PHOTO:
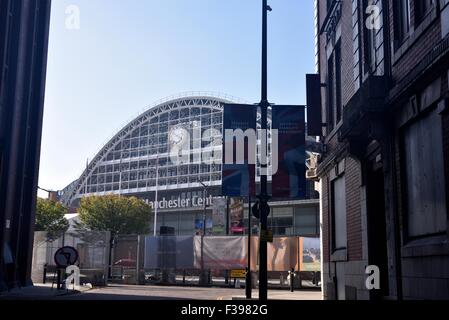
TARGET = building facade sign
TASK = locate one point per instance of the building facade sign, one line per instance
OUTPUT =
(179, 203)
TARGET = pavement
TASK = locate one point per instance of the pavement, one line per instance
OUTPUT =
(39, 292)
(133, 292)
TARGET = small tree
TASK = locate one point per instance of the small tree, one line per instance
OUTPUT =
(50, 218)
(119, 215)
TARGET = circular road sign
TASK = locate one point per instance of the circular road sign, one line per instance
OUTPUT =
(66, 256)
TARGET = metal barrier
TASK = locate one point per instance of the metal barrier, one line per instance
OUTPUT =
(184, 260)
(93, 248)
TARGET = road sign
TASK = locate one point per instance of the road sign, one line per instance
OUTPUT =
(238, 274)
(259, 207)
(66, 256)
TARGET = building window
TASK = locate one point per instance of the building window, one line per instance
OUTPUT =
(338, 81)
(330, 94)
(370, 46)
(317, 36)
(306, 221)
(282, 221)
(402, 19)
(334, 88)
(424, 181)
(338, 192)
(422, 8)
(356, 29)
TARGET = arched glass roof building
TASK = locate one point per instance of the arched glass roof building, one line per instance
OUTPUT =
(136, 162)
(127, 164)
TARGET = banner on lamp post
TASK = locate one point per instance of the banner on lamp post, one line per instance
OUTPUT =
(289, 182)
(239, 150)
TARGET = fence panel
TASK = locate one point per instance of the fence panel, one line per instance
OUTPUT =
(93, 252)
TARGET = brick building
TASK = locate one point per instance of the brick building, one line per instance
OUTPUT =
(383, 67)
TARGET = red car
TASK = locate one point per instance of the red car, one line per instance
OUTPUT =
(126, 263)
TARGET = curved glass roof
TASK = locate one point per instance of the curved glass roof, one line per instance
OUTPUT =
(129, 162)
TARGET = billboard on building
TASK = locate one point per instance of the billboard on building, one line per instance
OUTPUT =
(219, 216)
(289, 182)
(239, 150)
(236, 210)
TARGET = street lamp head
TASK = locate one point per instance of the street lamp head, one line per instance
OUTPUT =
(269, 8)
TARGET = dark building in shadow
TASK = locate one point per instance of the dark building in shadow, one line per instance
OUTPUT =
(24, 29)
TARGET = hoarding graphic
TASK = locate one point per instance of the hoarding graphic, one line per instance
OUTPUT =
(221, 253)
(310, 254)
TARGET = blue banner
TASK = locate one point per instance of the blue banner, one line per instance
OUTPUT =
(239, 150)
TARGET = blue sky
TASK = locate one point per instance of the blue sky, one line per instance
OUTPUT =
(128, 54)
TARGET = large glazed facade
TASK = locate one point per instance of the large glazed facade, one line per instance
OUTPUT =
(136, 162)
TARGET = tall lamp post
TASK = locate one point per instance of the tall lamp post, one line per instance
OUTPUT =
(263, 196)
(156, 200)
(203, 277)
(249, 285)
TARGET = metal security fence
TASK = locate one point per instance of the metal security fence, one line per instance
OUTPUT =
(93, 249)
(179, 260)
(223, 260)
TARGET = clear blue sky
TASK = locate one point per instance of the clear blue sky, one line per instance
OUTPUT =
(129, 53)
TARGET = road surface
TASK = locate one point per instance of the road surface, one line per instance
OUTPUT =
(131, 292)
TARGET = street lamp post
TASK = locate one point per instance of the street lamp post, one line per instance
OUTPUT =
(263, 196)
(156, 203)
(248, 271)
(203, 277)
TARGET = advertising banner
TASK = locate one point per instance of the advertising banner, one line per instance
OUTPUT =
(219, 216)
(290, 180)
(239, 150)
(236, 216)
(310, 254)
(221, 253)
(283, 254)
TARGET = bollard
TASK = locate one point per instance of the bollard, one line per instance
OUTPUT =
(184, 277)
(292, 280)
(44, 280)
(58, 286)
